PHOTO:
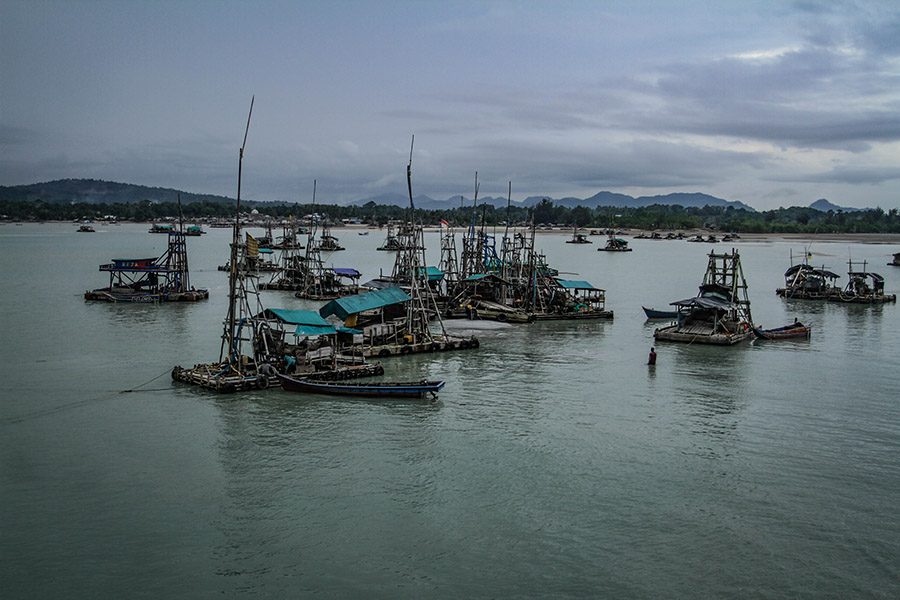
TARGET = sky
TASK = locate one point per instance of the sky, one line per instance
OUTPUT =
(768, 103)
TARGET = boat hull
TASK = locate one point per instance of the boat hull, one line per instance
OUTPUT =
(783, 333)
(660, 314)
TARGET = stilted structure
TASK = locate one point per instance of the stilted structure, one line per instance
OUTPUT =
(254, 336)
(720, 314)
(390, 242)
(143, 280)
(805, 282)
(863, 287)
(306, 274)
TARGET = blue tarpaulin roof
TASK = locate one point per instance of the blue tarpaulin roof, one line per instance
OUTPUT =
(347, 272)
(351, 305)
(477, 276)
(575, 285)
(266, 251)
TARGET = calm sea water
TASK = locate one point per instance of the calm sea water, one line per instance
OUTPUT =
(555, 464)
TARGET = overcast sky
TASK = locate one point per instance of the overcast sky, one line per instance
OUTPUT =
(770, 103)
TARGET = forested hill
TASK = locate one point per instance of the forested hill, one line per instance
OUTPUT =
(96, 191)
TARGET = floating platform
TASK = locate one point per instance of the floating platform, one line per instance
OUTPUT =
(387, 350)
(700, 333)
(131, 296)
(573, 316)
(224, 380)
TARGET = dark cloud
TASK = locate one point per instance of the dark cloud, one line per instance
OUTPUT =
(847, 175)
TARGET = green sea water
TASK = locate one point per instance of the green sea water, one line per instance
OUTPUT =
(555, 464)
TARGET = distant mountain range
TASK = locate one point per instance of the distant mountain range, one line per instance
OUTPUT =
(599, 199)
(94, 191)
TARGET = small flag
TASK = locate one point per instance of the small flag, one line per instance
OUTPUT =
(252, 246)
(443, 222)
(809, 255)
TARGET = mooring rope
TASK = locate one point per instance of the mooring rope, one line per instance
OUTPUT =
(48, 411)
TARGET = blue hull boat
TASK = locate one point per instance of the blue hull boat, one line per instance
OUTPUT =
(660, 314)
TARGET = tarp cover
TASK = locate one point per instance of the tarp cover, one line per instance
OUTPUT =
(707, 302)
(296, 317)
(575, 285)
(347, 272)
(351, 305)
(306, 330)
(433, 273)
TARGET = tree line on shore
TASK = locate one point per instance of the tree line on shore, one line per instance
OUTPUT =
(659, 216)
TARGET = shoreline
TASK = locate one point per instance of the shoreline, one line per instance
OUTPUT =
(863, 238)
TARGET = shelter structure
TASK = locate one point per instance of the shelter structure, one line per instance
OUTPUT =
(720, 313)
(142, 280)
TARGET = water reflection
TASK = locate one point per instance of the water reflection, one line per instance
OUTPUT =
(711, 386)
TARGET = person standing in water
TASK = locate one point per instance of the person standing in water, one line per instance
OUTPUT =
(652, 359)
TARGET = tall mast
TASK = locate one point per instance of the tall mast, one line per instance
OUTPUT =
(235, 242)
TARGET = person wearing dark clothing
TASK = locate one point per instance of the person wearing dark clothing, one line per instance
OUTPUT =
(652, 359)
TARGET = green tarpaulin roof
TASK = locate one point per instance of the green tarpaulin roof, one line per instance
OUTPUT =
(351, 305)
(296, 317)
(433, 273)
(313, 330)
(575, 285)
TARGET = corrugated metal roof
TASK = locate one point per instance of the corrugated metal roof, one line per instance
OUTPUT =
(351, 305)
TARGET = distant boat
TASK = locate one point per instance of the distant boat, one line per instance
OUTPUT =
(387, 389)
(362, 233)
(156, 228)
(660, 314)
(794, 330)
(85, 229)
(578, 238)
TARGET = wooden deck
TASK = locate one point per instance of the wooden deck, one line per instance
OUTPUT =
(700, 333)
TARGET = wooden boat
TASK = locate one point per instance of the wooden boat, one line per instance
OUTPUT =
(896, 261)
(385, 389)
(652, 313)
(794, 330)
(85, 229)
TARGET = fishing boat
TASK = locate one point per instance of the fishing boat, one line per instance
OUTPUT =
(720, 313)
(385, 389)
(578, 238)
(362, 233)
(652, 313)
(156, 228)
(794, 330)
(896, 261)
(194, 231)
(86, 229)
